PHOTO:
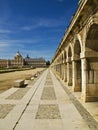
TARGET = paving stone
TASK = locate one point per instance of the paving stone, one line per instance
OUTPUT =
(48, 83)
(48, 94)
(48, 79)
(5, 109)
(19, 94)
(48, 112)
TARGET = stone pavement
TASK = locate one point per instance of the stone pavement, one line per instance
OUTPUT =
(43, 105)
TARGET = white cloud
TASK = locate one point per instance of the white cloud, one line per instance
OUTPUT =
(18, 42)
(4, 31)
(27, 28)
(44, 22)
(3, 44)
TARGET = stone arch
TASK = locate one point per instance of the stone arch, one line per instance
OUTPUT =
(91, 42)
(91, 62)
(79, 38)
(91, 28)
(70, 51)
(77, 79)
(92, 20)
(77, 42)
(65, 56)
(77, 48)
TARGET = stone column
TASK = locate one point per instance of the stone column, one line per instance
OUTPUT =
(65, 72)
(69, 74)
(76, 77)
(60, 70)
(84, 78)
(89, 81)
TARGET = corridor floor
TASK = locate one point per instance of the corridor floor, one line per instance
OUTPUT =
(43, 105)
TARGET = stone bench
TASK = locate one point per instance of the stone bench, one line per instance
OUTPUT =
(28, 77)
(32, 78)
(35, 76)
(18, 83)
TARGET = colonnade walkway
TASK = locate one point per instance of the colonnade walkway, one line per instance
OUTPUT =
(43, 105)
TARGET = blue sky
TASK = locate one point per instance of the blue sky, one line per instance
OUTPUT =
(33, 27)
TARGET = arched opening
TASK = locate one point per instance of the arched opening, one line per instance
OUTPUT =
(65, 67)
(92, 39)
(69, 52)
(62, 66)
(69, 67)
(77, 48)
(77, 67)
(91, 54)
(59, 66)
(64, 56)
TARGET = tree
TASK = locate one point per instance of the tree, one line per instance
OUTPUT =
(47, 63)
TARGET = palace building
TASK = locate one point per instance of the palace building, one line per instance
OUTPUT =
(18, 61)
(35, 62)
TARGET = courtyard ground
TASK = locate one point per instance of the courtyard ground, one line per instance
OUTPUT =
(7, 79)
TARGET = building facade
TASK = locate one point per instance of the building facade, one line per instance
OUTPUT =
(76, 59)
(3, 63)
(18, 61)
(35, 62)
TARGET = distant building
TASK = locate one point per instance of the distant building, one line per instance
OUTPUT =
(3, 63)
(19, 61)
(35, 62)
